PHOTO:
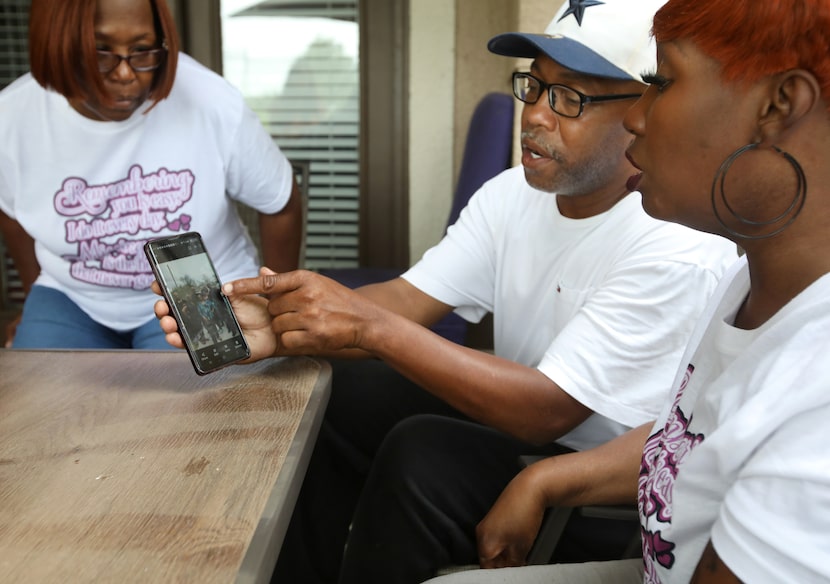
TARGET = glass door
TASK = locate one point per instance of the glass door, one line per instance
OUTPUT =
(296, 63)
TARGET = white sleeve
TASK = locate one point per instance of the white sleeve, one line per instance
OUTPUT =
(258, 173)
(619, 353)
(774, 522)
(460, 270)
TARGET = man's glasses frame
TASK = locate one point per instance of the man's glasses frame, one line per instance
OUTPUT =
(560, 97)
(140, 61)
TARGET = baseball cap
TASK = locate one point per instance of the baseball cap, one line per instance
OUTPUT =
(607, 38)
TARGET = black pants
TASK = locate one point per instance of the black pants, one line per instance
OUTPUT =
(412, 476)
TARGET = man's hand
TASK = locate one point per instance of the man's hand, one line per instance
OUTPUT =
(311, 314)
(251, 311)
(508, 531)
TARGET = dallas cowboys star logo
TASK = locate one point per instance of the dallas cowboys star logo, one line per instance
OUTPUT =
(577, 8)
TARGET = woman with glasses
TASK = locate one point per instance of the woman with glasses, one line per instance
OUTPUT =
(731, 137)
(115, 138)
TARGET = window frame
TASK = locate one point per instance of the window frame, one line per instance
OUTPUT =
(383, 239)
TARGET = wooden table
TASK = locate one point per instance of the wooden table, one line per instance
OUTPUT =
(125, 466)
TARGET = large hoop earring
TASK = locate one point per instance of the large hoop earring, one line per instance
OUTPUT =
(790, 213)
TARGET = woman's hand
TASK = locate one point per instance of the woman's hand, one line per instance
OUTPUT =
(11, 329)
(508, 531)
(251, 312)
(605, 475)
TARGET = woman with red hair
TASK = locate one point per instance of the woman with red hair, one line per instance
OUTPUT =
(115, 138)
(733, 480)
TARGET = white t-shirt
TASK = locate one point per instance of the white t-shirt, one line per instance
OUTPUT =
(740, 453)
(603, 306)
(91, 193)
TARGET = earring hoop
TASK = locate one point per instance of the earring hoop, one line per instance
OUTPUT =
(792, 211)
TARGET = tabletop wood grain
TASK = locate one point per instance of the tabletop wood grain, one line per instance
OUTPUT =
(125, 466)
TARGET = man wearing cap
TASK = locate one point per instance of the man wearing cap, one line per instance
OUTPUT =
(592, 302)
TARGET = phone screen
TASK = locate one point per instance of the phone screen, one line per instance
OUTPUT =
(191, 287)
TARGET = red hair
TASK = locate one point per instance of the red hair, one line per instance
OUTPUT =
(62, 50)
(752, 39)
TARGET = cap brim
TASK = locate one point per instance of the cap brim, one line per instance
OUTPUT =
(567, 52)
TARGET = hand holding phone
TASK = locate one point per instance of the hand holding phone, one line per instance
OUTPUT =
(191, 287)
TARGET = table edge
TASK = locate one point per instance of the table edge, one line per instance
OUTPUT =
(263, 551)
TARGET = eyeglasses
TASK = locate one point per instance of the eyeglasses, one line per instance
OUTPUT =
(565, 101)
(140, 61)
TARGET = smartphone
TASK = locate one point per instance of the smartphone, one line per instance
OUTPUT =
(188, 280)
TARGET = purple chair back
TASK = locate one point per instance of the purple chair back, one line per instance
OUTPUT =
(487, 149)
(486, 154)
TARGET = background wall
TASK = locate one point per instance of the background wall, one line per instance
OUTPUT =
(450, 71)
(432, 67)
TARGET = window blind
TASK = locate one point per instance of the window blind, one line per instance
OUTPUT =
(307, 98)
(296, 63)
(14, 18)
(14, 62)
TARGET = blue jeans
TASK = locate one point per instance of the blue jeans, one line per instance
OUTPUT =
(52, 321)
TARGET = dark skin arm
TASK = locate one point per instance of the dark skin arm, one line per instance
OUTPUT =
(604, 475)
(21, 248)
(711, 569)
(397, 295)
(281, 234)
(312, 314)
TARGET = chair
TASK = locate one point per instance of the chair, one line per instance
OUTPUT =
(486, 153)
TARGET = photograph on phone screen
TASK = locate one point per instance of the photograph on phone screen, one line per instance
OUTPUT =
(195, 290)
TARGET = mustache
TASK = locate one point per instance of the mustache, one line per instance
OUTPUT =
(534, 140)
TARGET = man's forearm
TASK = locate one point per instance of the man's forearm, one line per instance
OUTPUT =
(514, 398)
